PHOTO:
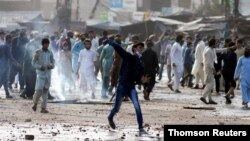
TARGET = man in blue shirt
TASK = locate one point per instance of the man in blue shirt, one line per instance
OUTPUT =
(5, 57)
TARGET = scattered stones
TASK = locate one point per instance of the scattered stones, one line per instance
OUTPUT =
(221, 123)
(67, 125)
(28, 120)
(29, 137)
(54, 133)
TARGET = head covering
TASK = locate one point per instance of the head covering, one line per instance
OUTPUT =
(198, 36)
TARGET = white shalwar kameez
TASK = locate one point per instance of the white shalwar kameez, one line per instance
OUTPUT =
(176, 58)
(86, 70)
(209, 57)
(197, 70)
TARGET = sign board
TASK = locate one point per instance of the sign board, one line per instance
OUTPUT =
(138, 16)
(166, 11)
(130, 5)
(116, 3)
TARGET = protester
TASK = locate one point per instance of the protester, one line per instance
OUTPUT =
(131, 74)
(44, 62)
(5, 59)
(242, 73)
(86, 69)
(151, 67)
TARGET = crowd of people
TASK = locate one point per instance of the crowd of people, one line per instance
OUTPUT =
(194, 61)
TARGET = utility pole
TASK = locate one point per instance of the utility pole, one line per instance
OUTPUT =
(236, 11)
(68, 5)
(64, 13)
(227, 9)
(94, 9)
(77, 9)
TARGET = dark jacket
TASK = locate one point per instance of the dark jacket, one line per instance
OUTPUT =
(18, 48)
(150, 61)
(131, 69)
(217, 66)
(6, 57)
(188, 56)
(230, 62)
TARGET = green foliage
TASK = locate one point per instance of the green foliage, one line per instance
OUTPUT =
(211, 8)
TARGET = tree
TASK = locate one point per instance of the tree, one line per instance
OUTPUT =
(94, 9)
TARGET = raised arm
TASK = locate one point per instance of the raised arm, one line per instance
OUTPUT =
(123, 53)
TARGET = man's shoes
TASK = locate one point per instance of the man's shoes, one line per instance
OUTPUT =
(30, 97)
(231, 95)
(177, 91)
(146, 95)
(196, 86)
(9, 96)
(212, 102)
(245, 106)
(50, 97)
(105, 97)
(203, 87)
(44, 110)
(142, 131)
(182, 83)
(217, 93)
(203, 100)
(228, 100)
(170, 87)
(111, 123)
(110, 93)
(23, 96)
(21, 90)
(34, 107)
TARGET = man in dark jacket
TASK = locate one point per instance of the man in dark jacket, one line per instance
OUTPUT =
(150, 60)
(131, 73)
(188, 61)
(229, 65)
(29, 72)
(18, 51)
(5, 57)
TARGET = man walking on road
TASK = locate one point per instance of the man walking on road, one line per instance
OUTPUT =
(43, 61)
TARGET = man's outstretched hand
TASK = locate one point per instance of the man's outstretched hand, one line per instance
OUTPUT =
(145, 79)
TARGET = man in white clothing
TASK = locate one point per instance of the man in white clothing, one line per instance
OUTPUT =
(209, 57)
(176, 64)
(86, 60)
(197, 70)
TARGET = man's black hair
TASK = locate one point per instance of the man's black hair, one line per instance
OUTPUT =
(212, 42)
(105, 33)
(140, 44)
(247, 53)
(239, 41)
(179, 38)
(231, 44)
(45, 41)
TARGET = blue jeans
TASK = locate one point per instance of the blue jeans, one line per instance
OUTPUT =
(132, 94)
